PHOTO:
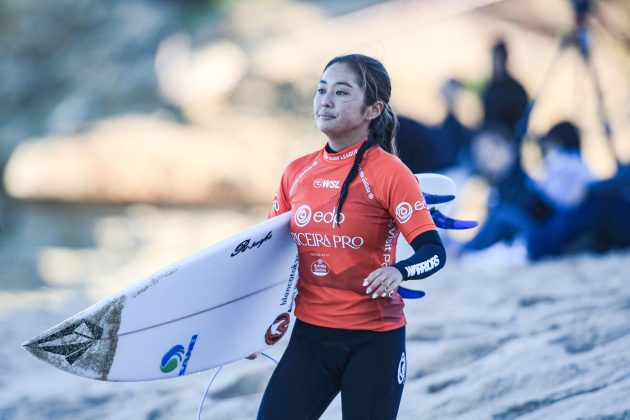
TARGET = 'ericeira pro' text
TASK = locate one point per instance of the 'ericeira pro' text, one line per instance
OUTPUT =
(328, 241)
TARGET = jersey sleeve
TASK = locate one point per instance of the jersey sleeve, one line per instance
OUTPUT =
(281, 203)
(400, 194)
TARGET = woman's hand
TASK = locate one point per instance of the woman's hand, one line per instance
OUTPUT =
(382, 282)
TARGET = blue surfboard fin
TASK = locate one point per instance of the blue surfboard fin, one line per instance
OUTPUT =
(410, 294)
(445, 222)
(437, 199)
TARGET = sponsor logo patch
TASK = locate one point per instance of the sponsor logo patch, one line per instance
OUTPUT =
(301, 176)
(402, 369)
(277, 329)
(341, 157)
(326, 183)
(320, 268)
(420, 205)
(366, 184)
(423, 267)
(392, 234)
(403, 212)
(304, 215)
(177, 356)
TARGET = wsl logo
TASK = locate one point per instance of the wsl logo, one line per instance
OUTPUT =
(177, 356)
(326, 183)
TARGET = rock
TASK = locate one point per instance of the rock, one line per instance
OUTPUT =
(149, 159)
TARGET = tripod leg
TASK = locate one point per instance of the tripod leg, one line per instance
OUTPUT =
(601, 108)
(522, 124)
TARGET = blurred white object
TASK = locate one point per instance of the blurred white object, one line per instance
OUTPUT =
(499, 256)
(185, 75)
(566, 179)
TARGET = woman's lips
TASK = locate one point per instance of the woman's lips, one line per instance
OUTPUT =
(326, 116)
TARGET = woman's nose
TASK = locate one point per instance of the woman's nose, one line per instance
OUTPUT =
(326, 100)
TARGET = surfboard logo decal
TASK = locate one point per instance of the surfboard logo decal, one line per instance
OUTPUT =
(277, 329)
(71, 342)
(248, 244)
(172, 358)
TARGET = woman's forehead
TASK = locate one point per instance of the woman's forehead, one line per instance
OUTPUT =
(339, 73)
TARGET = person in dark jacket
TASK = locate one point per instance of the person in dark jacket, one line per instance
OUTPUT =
(504, 99)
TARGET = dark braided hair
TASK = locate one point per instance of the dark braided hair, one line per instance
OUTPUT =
(374, 80)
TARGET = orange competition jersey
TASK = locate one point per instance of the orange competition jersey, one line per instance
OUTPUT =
(382, 200)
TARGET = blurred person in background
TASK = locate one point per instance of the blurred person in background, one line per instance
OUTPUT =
(514, 204)
(445, 148)
(567, 178)
(565, 212)
(417, 146)
(600, 223)
(504, 99)
(349, 334)
(437, 148)
(454, 137)
(594, 218)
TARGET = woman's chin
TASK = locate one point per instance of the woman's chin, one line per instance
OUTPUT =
(325, 128)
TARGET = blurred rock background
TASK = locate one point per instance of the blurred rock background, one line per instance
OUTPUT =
(203, 103)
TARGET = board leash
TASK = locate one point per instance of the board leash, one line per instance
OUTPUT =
(216, 373)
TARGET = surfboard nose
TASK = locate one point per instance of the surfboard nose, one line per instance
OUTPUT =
(75, 346)
(30, 346)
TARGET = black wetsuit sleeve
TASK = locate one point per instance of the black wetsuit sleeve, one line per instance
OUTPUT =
(429, 257)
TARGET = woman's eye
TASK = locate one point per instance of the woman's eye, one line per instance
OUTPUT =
(321, 91)
(341, 92)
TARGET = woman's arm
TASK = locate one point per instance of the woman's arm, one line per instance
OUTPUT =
(429, 257)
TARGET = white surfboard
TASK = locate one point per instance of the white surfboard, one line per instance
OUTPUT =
(214, 307)
(218, 305)
(435, 184)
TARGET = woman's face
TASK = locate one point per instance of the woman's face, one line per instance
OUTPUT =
(339, 102)
(494, 154)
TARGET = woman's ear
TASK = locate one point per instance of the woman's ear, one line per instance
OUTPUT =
(374, 110)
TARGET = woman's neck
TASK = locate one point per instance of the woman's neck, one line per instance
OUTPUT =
(335, 144)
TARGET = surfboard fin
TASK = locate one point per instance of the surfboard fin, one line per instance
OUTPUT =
(409, 293)
(445, 222)
(437, 199)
